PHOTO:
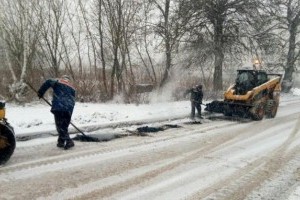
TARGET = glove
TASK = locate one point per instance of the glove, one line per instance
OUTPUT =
(40, 95)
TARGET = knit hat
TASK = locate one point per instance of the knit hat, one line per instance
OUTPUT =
(66, 77)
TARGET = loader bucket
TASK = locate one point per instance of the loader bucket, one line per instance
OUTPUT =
(228, 108)
(7, 141)
(215, 106)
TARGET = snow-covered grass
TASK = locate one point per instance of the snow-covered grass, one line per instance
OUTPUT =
(36, 117)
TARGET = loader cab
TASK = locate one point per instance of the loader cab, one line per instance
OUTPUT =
(248, 79)
(262, 77)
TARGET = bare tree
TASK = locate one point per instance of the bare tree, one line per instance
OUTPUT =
(222, 23)
(50, 44)
(97, 20)
(120, 16)
(142, 42)
(170, 28)
(113, 11)
(20, 31)
(287, 15)
(163, 30)
(75, 29)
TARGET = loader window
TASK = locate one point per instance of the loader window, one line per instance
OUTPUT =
(245, 77)
(244, 82)
(261, 78)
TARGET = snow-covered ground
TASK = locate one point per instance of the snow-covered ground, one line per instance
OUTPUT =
(37, 118)
(218, 159)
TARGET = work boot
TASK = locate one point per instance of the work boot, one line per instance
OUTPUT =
(199, 116)
(60, 143)
(69, 144)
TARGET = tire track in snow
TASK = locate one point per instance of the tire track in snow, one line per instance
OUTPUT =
(138, 179)
(246, 180)
(145, 192)
(35, 172)
(59, 162)
(36, 154)
(209, 139)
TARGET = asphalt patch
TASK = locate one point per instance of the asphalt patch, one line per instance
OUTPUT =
(193, 122)
(142, 131)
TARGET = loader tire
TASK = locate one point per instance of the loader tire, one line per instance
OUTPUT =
(271, 108)
(257, 112)
(7, 142)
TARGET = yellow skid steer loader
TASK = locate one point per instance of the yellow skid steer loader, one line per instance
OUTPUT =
(255, 94)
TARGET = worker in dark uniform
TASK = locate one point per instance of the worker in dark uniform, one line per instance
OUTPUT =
(62, 107)
(196, 97)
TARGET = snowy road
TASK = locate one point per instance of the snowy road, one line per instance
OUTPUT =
(218, 159)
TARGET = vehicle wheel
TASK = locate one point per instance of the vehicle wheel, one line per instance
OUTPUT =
(271, 108)
(258, 111)
(7, 142)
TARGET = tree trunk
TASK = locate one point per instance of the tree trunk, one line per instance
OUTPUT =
(168, 45)
(166, 74)
(103, 61)
(289, 68)
(219, 55)
(218, 75)
(114, 73)
(13, 74)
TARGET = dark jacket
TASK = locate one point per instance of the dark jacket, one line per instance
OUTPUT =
(63, 94)
(196, 95)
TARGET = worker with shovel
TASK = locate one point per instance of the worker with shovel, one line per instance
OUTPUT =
(63, 103)
(196, 100)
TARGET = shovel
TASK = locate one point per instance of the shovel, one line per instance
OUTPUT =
(84, 137)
